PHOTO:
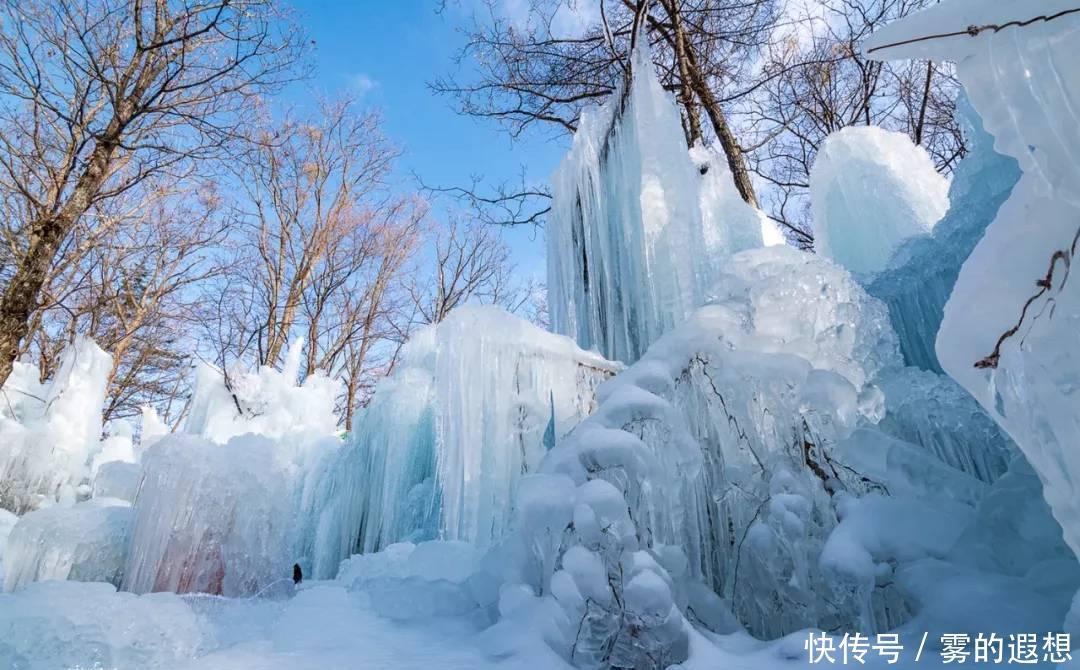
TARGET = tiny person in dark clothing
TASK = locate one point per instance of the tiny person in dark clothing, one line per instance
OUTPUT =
(297, 573)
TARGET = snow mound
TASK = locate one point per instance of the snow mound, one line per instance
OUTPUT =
(86, 542)
(871, 189)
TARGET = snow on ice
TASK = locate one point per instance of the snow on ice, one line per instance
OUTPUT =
(871, 190)
(781, 454)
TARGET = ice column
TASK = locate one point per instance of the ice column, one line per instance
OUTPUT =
(637, 227)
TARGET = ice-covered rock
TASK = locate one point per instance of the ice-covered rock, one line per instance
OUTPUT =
(50, 432)
(872, 189)
(1010, 327)
(474, 404)
(636, 230)
(85, 542)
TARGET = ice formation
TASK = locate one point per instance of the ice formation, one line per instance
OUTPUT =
(872, 189)
(229, 504)
(765, 465)
(474, 403)
(266, 402)
(720, 437)
(202, 526)
(7, 522)
(117, 479)
(49, 433)
(86, 542)
(921, 274)
(636, 232)
(1010, 326)
(933, 411)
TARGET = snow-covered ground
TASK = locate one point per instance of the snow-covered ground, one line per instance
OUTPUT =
(776, 452)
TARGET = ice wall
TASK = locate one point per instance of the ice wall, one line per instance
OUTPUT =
(922, 272)
(474, 403)
(636, 230)
(86, 542)
(216, 518)
(871, 189)
(1010, 328)
(228, 505)
(49, 433)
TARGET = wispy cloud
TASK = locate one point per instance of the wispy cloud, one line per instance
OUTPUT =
(362, 84)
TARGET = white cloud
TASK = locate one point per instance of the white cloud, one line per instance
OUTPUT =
(574, 17)
(362, 84)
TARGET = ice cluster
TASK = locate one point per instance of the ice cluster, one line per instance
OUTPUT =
(51, 431)
(637, 232)
(871, 190)
(475, 403)
(199, 527)
(782, 452)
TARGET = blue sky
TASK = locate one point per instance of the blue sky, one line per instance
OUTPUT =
(387, 52)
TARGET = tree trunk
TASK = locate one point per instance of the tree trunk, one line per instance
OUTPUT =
(20, 299)
(686, 93)
(732, 151)
(921, 123)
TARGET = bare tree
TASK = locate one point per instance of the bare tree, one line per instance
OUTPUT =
(764, 81)
(323, 246)
(311, 189)
(815, 82)
(130, 281)
(528, 74)
(96, 97)
(470, 262)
